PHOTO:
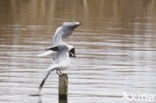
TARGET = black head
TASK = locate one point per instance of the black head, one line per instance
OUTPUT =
(72, 53)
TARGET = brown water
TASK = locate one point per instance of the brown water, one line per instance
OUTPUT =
(115, 47)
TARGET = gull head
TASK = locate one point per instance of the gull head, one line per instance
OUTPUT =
(71, 51)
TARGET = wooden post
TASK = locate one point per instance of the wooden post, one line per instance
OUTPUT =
(63, 88)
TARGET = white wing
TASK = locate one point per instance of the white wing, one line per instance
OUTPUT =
(47, 53)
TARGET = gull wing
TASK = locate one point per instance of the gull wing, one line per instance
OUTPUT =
(63, 32)
(58, 48)
(57, 39)
(47, 53)
(68, 28)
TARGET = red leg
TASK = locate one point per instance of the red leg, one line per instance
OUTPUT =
(60, 72)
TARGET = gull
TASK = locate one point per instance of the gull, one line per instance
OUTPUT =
(60, 51)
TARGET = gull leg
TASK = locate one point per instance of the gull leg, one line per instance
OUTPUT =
(57, 72)
(60, 72)
(44, 79)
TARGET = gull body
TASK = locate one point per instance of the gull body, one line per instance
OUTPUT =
(61, 61)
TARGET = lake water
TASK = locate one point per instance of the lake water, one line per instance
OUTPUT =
(115, 48)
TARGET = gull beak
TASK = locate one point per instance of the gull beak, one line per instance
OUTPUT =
(72, 53)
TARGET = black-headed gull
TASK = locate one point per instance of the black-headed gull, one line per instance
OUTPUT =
(60, 50)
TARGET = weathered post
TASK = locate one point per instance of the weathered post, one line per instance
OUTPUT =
(63, 88)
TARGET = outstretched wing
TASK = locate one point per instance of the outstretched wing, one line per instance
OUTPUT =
(63, 32)
(47, 53)
(58, 48)
(57, 39)
(68, 28)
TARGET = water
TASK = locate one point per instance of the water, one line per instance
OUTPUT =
(115, 47)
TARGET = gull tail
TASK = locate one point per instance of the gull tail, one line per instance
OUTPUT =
(47, 53)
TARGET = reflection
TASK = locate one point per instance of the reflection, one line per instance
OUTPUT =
(37, 95)
(40, 99)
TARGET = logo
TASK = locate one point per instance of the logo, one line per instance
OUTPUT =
(135, 97)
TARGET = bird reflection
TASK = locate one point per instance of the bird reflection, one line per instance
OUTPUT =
(39, 99)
